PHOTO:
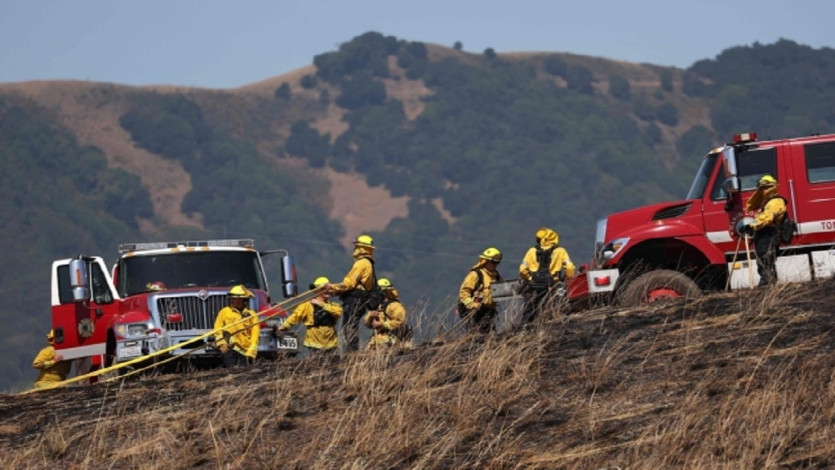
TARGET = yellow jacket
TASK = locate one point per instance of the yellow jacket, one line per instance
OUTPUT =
(50, 370)
(772, 208)
(483, 295)
(559, 257)
(361, 275)
(243, 336)
(316, 337)
(395, 315)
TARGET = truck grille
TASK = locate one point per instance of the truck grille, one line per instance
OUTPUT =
(195, 311)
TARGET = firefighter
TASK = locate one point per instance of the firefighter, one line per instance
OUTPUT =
(476, 304)
(771, 209)
(238, 344)
(319, 316)
(354, 289)
(51, 365)
(545, 266)
(388, 322)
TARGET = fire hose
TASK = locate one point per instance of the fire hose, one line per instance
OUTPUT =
(277, 309)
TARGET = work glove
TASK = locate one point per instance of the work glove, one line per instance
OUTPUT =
(223, 348)
(474, 306)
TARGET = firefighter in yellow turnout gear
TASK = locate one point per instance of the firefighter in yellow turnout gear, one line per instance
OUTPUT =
(771, 209)
(539, 279)
(51, 366)
(475, 300)
(388, 320)
(354, 288)
(238, 344)
(319, 316)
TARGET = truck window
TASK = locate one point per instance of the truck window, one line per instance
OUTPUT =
(697, 189)
(64, 289)
(820, 162)
(188, 270)
(101, 291)
(751, 164)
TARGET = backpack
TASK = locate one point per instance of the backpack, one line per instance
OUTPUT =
(375, 295)
(787, 227)
(541, 278)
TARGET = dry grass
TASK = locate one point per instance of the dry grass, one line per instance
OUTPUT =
(737, 380)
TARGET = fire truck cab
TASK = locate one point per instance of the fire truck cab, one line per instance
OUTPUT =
(159, 295)
(682, 248)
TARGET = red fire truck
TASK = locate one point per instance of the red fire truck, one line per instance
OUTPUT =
(681, 248)
(159, 295)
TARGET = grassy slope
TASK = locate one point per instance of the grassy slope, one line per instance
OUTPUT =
(735, 380)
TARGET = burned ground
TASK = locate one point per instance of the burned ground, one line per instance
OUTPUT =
(734, 380)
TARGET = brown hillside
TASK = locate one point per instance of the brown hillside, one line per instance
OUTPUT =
(735, 380)
(92, 110)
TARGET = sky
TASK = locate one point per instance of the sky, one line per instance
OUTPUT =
(227, 44)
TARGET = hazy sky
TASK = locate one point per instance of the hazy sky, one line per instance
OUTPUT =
(226, 44)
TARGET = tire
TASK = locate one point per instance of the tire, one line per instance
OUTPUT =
(653, 286)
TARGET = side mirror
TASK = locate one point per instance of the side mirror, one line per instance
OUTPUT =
(731, 185)
(79, 280)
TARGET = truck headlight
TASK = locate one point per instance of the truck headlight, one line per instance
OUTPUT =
(613, 247)
(132, 330)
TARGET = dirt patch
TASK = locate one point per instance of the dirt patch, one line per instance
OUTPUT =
(91, 111)
(361, 208)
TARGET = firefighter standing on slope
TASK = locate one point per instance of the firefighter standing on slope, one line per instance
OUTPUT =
(771, 209)
(544, 266)
(476, 304)
(354, 289)
(51, 366)
(387, 319)
(319, 316)
(238, 344)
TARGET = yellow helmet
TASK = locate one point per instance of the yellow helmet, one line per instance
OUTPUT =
(765, 181)
(384, 283)
(240, 292)
(492, 254)
(51, 335)
(364, 240)
(319, 282)
(541, 233)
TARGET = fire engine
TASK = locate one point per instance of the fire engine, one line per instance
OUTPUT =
(682, 248)
(157, 296)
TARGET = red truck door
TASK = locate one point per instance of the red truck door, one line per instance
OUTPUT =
(813, 186)
(718, 217)
(81, 327)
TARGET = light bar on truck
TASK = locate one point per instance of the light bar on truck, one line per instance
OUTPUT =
(129, 247)
(745, 138)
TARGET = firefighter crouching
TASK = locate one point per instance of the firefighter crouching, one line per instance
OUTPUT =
(51, 366)
(545, 266)
(388, 320)
(319, 316)
(354, 290)
(475, 301)
(238, 344)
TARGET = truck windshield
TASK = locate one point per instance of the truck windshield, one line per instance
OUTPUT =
(139, 274)
(697, 189)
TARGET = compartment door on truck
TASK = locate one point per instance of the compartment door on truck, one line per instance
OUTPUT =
(81, 327)
(814, 185)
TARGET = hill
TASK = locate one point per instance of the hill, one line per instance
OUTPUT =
(736, 380)
(436, 152)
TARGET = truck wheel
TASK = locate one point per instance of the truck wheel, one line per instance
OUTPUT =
(658, 285)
